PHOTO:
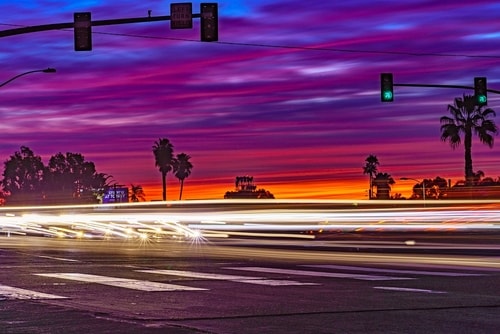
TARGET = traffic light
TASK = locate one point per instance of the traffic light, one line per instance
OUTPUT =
(209, 22)
(83, 31)
(386, 87)
(480, 91)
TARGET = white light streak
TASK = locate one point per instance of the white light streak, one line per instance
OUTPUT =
(197, 220)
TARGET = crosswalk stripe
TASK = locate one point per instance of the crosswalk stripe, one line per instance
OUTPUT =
(234, 278)
(320, 274)
(121, 282)
(396, 271)
(17, 293)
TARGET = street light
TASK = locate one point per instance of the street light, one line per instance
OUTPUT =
(423, 185)
(47, 70)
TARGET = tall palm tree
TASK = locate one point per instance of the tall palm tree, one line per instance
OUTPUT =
(163, 151)
(182, 169)
(370, 168)
(136, 193)
(467, 118)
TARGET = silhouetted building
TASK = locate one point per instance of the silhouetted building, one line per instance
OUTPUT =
(245, 188)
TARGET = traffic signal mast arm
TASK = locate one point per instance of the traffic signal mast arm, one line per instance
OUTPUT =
(58, 26)
(444, 86)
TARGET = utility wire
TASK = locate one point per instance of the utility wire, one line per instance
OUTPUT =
(296, 47)
(311, 48)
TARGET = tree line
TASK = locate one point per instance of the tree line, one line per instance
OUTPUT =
(71, 179)
(66, 179)
(467, 118)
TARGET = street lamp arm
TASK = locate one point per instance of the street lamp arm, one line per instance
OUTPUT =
(418, 181)
(47, 70)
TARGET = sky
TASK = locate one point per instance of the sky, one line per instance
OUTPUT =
(290, 94)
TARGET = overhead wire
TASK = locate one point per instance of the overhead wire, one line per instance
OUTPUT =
(295, 47)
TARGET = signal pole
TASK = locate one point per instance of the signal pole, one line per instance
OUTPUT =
(480, 89)
(83, 24)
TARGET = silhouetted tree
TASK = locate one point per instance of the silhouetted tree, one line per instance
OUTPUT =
(488, 181)
(477, 177)
(23, 177)
(136, 193)
(163, 152)
(69, 178)
(434, 188)
(468, 118)
(182, 169)
(370, 168)
(383, 182)
(2, 198)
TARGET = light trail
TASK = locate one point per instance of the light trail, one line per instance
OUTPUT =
(267, 218)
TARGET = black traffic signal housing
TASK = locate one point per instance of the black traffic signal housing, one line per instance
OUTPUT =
(83, 31)
(209, 22)
(480, 91)
(386, 87)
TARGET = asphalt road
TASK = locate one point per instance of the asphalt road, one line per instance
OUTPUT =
(113, 286)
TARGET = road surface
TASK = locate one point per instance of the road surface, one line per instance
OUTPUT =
(50, 285)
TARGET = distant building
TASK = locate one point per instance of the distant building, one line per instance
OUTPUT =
(245, 188)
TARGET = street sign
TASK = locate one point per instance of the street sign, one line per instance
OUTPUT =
(181, 15)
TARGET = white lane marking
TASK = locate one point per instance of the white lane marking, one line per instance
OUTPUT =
(121, 282)
(17, 293)
(380, 270)
(320, 274)
(58, 258)
(234, 278)
(392, 288)
(274, 282)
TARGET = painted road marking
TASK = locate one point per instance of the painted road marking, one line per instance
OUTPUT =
(233, 278)
(17, 293)
(320, 274)
(121, 282)
(58, 258)
(395, 271)
(393, 288)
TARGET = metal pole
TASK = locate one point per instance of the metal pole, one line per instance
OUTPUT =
(418, 181)
(444, 86)
(70, 25)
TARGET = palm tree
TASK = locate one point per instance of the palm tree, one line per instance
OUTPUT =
(182, 169)
(136, 193)
(383, 182)
(370, 169)
(468, 117)
(477, 177)
(163, 151)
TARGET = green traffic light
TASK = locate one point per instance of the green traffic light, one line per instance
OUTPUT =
(481, 99)
(387, 95)
(386, 87)
(480, 91)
